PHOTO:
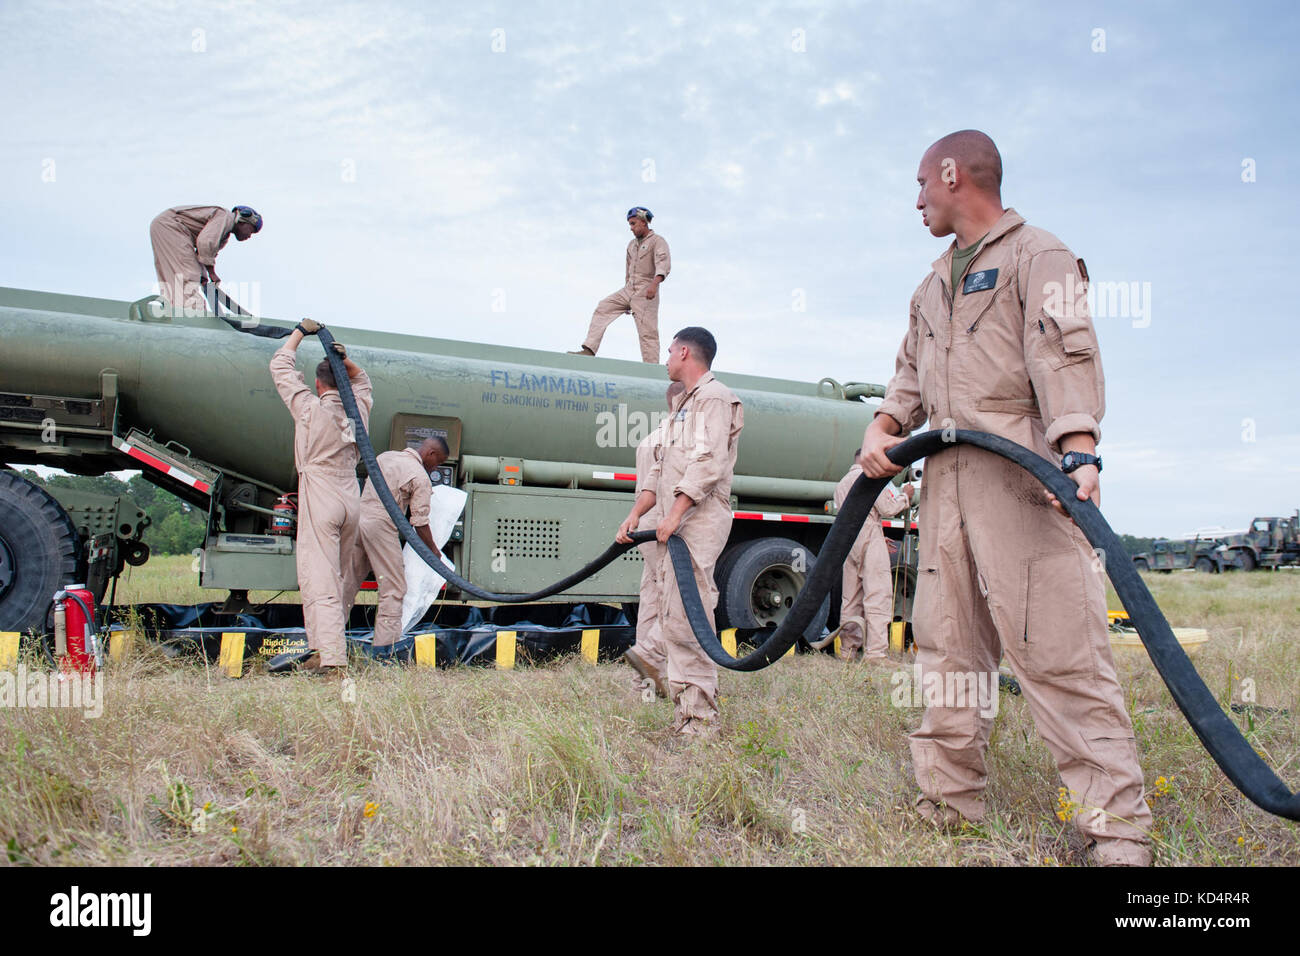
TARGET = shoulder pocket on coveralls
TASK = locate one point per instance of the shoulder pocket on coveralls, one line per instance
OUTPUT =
(1065, 336)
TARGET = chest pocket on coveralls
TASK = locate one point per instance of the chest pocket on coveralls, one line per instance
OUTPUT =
(927, 346)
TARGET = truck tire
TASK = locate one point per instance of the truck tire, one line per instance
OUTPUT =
(1247, 560)
(760, 584)
(38, 553)
(1205, 565)
(1140, 564)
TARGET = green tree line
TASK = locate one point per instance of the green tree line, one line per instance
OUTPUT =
(175, 526)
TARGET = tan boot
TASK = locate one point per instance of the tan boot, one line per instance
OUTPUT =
(1118, 853)
(583, 351)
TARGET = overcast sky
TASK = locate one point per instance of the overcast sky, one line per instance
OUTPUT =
(463, 171)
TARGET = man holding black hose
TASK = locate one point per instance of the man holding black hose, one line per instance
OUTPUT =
(993, 345)
(329, 499)
(690, 485)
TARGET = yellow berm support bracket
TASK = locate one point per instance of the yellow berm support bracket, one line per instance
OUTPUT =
(506, 649)
(897, 636)
(9, 650)
(728, 638)
(231, 659)
(426, 650)
(120, 644)
(591, 644)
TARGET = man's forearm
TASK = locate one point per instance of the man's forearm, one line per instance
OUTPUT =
(1080, 442)
(427, 537)
(644, 502)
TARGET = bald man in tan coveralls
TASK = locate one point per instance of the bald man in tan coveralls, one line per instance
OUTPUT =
(379, 546)
(867, 587)
(329, 500)
(1002, 571)
(692, 482)
(647, 657)
(186, 240)
(648, 265)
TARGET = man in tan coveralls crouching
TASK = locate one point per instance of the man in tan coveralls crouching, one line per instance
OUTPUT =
(186, 240)
(647, 656)
(867, 587)
(992, 345)
(379, 546)
(691, 483)
(329, 502)
(648, 264)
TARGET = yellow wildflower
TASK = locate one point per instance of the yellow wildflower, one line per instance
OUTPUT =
(370, 810)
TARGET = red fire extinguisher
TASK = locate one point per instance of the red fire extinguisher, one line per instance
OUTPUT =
(76, 641)
(285, 519)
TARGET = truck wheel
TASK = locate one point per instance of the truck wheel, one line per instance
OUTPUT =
(1247, 560)
(38, 553)
(1205, 565)
(761, 582)
(1140, 564)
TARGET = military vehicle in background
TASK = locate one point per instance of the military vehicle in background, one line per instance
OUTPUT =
(543, 443)
(1268, 543)
(1175, 554)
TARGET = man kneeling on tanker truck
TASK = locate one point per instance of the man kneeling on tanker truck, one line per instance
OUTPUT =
(329, 502)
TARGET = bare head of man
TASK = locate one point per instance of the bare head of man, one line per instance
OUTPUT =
(691, 355)
(961, 186)
(325, 377)
(433, 452)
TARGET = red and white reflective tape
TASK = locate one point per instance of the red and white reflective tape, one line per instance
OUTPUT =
(766, 516)
(198, 484)
(614, 475)
(891, 523)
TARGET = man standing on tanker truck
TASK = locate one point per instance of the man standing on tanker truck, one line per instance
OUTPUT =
(648, 264)
(379, 546)
(691, 482)
(991, 345)
(329, 502)
(186, 240)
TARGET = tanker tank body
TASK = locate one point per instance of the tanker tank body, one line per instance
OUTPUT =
(543, 443)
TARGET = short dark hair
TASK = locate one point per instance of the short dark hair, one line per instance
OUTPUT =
(440, 442)
(701, 341)
(325, 374)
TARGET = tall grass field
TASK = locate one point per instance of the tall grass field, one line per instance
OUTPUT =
(567, 764)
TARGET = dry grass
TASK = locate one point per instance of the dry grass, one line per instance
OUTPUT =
(566, 764)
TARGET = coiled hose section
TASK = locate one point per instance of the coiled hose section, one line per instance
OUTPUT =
(1218, 734)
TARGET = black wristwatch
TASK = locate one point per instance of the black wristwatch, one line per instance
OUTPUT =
(1077, 459)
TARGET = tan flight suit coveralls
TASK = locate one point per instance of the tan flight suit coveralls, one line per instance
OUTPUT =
(379, 547)
(1000, 570)
(867, 587)
(649, 644)
(329, 503)
(697, 459)
(184, 239)
(646, 258)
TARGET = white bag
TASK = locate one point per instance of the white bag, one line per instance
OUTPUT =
(423, 584)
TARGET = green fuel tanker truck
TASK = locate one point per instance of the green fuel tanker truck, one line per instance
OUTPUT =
(542, 443)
